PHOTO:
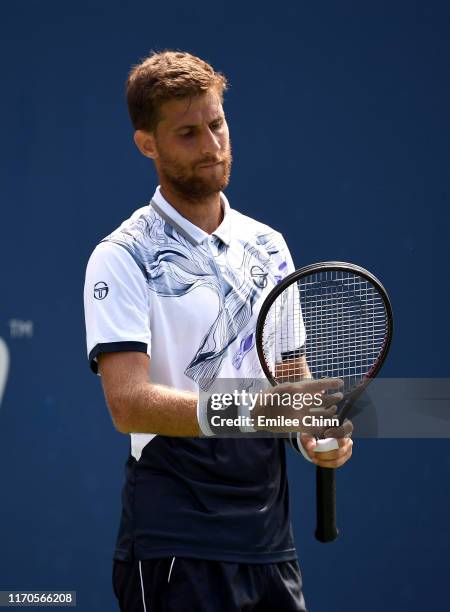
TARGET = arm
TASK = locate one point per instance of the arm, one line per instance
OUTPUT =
(137, 405)
(118, 339)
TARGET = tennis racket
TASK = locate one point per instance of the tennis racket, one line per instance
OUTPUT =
(337, 317)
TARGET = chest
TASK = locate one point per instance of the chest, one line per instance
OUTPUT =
(204, 304)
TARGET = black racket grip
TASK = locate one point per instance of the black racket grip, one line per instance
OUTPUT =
(326, 530)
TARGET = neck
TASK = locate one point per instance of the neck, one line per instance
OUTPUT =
(206, 213)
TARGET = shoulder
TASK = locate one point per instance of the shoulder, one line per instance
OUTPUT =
(134, 230)
(129, 243)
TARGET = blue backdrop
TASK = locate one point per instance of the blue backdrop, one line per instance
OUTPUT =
(339, 119)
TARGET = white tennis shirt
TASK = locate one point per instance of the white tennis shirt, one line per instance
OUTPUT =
(160, 285)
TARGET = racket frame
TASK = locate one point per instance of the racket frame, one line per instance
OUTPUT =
(326, 530)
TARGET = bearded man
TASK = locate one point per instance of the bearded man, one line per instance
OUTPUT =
(171, 302)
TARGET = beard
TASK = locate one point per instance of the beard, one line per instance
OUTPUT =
(188, 182)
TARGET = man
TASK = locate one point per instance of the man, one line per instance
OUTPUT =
(171, 301)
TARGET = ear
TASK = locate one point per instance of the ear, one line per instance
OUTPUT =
(145, 142)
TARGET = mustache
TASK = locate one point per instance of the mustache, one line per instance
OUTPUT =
(209, 160)
(213, 160)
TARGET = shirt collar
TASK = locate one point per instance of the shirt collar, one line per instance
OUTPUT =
(191, 232)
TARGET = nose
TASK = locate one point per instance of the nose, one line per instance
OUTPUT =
(210, 143)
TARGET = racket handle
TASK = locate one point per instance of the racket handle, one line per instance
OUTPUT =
(326, 530)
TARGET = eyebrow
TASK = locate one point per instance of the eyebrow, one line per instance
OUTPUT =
(185, 127)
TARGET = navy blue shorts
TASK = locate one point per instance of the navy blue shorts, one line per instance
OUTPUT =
(192, 585)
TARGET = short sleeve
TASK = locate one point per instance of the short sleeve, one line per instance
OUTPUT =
(116, 304)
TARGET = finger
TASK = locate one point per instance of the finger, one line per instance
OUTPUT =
(344, 430)
(306, 437)
(326, 384)
(333, 455)
(315, 413)
(342, 451)
(322, 384)
(332, 464)
(309, 442)
(313, 420)
(329, 400)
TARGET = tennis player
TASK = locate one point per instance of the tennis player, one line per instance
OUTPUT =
(171, 302)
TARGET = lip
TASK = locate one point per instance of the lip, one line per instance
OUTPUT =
(210, 165)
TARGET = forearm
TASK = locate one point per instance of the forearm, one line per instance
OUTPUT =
(151, 408)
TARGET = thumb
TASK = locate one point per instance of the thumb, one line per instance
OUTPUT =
(309, 442)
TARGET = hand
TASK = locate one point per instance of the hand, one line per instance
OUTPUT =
(299, 406)
(333, 458)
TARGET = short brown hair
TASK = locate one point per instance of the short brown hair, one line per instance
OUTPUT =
(164, 76)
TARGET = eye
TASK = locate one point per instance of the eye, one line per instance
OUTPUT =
(186, 134)
(216, 124)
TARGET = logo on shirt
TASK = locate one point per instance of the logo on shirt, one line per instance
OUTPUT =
(101, 290)
(259, 276)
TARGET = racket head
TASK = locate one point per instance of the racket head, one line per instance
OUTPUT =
(340, 316)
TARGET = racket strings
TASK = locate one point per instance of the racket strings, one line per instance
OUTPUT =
(336, 319)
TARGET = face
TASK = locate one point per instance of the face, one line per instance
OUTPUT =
(192, 151)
